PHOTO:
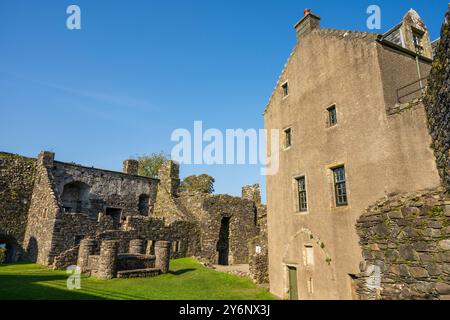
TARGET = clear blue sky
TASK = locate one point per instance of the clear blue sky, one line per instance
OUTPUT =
(140, 69)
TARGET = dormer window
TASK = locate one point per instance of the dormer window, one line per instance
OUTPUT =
(418, 40)
(285, 89)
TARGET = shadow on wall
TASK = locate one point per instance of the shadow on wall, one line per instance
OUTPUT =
(32, 249)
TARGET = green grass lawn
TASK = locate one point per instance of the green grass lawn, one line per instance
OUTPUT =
(186, 280)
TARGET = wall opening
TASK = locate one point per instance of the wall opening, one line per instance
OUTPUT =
(12, 249)
(223, 245)
(144, 201)
(75, 197)
(115, 214)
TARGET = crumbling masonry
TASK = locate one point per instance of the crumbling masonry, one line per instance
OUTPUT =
(119, 224)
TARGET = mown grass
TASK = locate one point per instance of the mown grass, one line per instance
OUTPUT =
(187, 280)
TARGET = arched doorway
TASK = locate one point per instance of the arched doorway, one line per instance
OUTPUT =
(223, 245)
(75, 197)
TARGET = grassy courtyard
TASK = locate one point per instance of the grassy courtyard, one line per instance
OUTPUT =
(186, 280)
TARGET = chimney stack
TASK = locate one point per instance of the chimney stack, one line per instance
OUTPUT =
(131, 167)
(308, 23)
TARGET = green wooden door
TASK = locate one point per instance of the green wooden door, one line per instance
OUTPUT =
(293, 289)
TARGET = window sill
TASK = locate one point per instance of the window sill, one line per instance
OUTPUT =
(301, 213)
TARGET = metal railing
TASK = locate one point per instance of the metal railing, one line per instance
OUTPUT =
(412, 90)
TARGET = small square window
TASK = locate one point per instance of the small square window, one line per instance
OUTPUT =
(288, 138)
(332, 116)
(285, 89)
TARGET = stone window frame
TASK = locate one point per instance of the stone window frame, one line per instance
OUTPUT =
(284, 137)
(285, 89)
(296, 204)
(337, 183)
(331, 124)
(417, 33)
(330, 175)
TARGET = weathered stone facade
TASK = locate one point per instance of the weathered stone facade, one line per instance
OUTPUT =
(437, 101)
(405, 238)
(406, 247)
(70, 204)
(16, 187)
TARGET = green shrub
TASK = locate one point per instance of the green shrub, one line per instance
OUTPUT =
(2, 255)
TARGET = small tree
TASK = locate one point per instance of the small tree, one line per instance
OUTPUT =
(202, 183)
(149, 165)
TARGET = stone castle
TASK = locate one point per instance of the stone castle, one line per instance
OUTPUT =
(57, 213)
(363, 117)
(360, 207)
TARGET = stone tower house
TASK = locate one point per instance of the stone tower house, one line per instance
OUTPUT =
(353, 130)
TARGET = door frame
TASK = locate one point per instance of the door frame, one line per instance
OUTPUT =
(287, 267)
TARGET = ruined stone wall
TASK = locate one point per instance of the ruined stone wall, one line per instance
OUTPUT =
(405, 242)
(242, 226)
(16, 185)
(43, 211)
(107, 189)
(70, 229)
(437, 104)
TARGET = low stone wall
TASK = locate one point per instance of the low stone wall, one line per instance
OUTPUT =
(405, 242)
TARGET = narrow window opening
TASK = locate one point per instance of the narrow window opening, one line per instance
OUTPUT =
(285, 89)
(340, 186)
(332, 116)
(302, 196)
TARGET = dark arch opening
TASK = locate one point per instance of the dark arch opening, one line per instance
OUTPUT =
(223, 245)
(12, 248)
(75, 197)
(144, 201)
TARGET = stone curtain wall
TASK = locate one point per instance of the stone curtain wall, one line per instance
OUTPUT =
(407, 238)
(16, 186)
(437, 104)
(107, 188)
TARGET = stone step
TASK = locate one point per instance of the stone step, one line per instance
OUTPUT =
(138, 273)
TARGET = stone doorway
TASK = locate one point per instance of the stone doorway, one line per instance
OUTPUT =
(223, 245)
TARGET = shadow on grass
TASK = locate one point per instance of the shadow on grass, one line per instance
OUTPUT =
(31, 287)
(182, 271)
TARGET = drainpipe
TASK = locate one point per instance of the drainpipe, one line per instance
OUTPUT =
(418, 69)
